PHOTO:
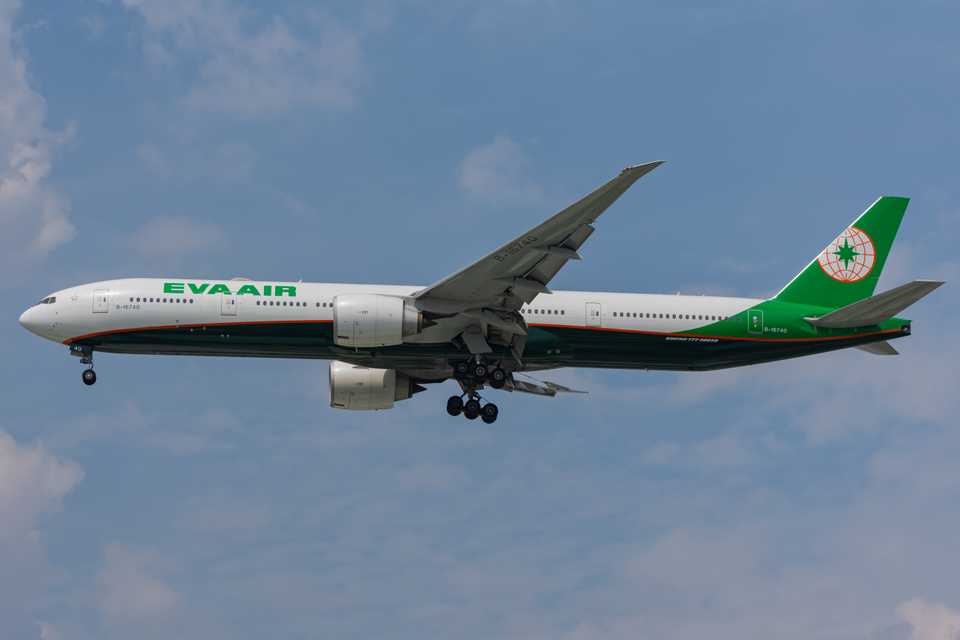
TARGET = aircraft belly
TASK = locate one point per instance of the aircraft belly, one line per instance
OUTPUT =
(547, 347)
(646, 350)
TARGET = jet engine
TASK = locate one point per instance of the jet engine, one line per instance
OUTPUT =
(364, 389)
(364, 320)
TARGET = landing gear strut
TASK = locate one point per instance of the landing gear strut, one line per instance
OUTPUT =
(85, 354)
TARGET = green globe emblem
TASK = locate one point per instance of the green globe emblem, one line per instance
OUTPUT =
(849, 257)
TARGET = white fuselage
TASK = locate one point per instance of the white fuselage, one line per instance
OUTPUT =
(135, 303)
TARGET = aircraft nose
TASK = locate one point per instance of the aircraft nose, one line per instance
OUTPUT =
(28, 320)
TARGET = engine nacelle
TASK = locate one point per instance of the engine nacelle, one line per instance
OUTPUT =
(365, 320)
(364, 389)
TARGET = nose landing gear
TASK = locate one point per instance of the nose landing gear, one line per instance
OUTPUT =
(85, 354)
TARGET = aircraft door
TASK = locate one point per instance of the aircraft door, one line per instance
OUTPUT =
(101, 301)
(755, 321)
(594, 314)
(228, 305)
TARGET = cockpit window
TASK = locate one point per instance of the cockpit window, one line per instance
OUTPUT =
(48, 300)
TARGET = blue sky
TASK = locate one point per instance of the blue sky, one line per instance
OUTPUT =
(396, 142)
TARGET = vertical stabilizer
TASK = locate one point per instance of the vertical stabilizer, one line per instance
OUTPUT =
(848, 269)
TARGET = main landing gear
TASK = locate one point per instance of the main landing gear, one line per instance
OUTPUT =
(472, 409)
(480, 373)
(472, 376)
(85, 354)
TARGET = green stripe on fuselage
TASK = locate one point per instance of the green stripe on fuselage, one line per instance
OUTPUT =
(726, 343)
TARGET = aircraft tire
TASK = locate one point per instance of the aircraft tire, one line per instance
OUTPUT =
(89, 377)
(454, 405)
(489, 413)
(471, 409)
(498, 378)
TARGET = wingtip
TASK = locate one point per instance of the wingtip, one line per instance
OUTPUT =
(647, 166)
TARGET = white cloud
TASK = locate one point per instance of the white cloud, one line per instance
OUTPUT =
(33, 482)
(250, 67)
(49, 632)
(499, 172)
(34, 217)
(128, 589)
(175, 236)
(930, 620)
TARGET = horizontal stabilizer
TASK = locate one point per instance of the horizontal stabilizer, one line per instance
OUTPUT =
(876, 308)
(882, 348)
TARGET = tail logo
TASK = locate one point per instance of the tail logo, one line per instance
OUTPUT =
(850, 257)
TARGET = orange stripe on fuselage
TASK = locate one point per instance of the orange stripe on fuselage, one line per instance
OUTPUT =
(110, 332)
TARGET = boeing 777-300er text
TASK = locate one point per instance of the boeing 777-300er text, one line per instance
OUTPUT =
(495, 321)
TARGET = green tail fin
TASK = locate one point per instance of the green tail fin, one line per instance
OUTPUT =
(849, 268)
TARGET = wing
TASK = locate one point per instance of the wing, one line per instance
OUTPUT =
(518, 271)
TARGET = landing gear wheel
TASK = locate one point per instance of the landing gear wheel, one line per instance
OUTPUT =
(471, 409)
(462, 369)
(89, 377)
(489, 413)
(498, 378)
(455, 405)
(480, 371)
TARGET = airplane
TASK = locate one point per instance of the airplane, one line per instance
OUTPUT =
(496, 321)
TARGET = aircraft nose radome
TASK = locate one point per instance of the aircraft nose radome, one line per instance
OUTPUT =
(28, 321)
